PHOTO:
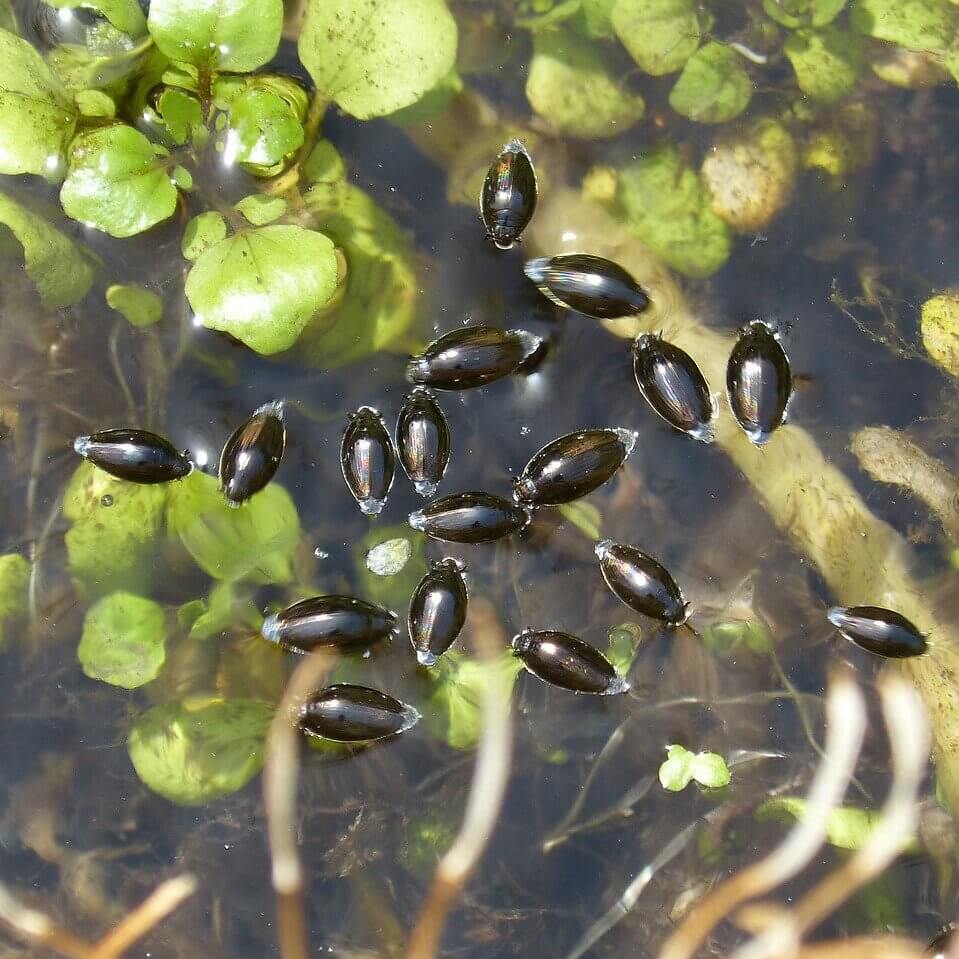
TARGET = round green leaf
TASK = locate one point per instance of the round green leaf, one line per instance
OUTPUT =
(14, 583)
(713, 87)
(181, 114)
(261, 209)
(571, 83)
(324, 164)
(192, 752)
(828, 63)
(140, 307)
(663, 202)
(123, 640)
(58, 268)
(115, 183)
(202, 232)
(710, 770)
(264, 286)
(372, 57)
(383, 575)
(660, 35)
(255, 542)
(125, 15)
(37, 118)
(913, 24)
(676, 773)
(95, 103)
(238, 35)
(112, 543)
(264, 129)
(803, 13)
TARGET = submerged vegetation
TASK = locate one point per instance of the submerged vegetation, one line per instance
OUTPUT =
(249, 206)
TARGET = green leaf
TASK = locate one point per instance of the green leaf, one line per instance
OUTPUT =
(14, 583)
(324, 164)
(573, 85)
(682, 767)
(676, 773)
(624, 640)
(181, 114)
(195, 751)
(254, 542)
(848, 827)
(563, 10)
(187, 77)
(803, 13)
(828, 63)
(264, 286)
(264, 130)
(455, 688)
(225, 607)
(237, 35)
(391, 589)
(61, 272)
(139, 306)
(939, 326)
(95, 103)
(373, 310)
(663, 202)
(660, 35)
(713, 87)
(260, 209)
(116, 183)
(735, 635)
(913, 24)
(182, 177)
(584, 516)
(202, 232)
(125, 15)
(123, 640)
(372, 57)
(8, 19)
(595, 18)
(113, 541)
(37, 117)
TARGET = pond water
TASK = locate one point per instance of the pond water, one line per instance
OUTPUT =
(842, 268)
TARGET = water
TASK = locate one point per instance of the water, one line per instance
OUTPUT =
(84, 839)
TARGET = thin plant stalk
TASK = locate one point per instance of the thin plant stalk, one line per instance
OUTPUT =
(487, 790)
(280, 780)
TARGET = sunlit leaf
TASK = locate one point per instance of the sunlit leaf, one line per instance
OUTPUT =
(263, 286)
(193, 752)
(324, 164)
(37, 117)
(828, 63)
(940, 330)
(14, 582)
(123, 640)
(260, 208)
(662, 200)
(913, 24)
(60, 271)
(225, 607)
(682, 767)
(255, 541)
(263, 130)
(140, 307)
(202, 232)
(572, 84)
(803, 13)
(113, 540)
(624, 640)
(116, 182)
(595, 18)
(95, 103)
(382, 574)
(660, 35)
(181, 114)
(713, 87)
(238, 35)
(710, 770)
(372, 57)
(125, 15)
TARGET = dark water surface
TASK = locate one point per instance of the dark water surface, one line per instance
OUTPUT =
(81, 834)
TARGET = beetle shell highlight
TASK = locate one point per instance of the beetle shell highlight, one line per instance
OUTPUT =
(471, 517)
(641, 582)
(508, 197)
(573, 466)
(673, 385)
(471, 357)
(437, 611)
(758, 382)
(137, 456)
(366, 457)
(563, 660)
(346, 713)
(588, 284)
(343, 622)
(423, 441)
(878, 630)
(251, 456)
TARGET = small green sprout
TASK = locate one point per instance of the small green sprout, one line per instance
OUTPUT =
(682, 766)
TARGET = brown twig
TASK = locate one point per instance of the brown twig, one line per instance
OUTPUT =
(486, 792)
(280, 779)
